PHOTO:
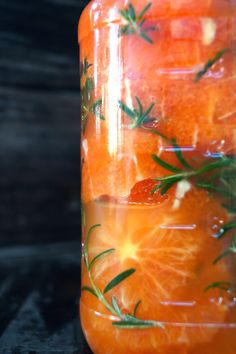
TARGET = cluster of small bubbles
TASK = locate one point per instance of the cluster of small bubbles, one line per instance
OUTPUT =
(226, 297)
(217, 74)
(215, 149)
(215, 225)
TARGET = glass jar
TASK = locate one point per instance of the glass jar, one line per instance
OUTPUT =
(158, 82)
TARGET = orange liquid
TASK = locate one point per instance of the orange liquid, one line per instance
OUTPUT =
(172, 253)
(169, 241)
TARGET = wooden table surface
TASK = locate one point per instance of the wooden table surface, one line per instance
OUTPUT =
(39, 121)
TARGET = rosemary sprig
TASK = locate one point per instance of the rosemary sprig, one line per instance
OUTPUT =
(137, 115)
(230, 251)
(199, 174)
(136, 308)
(135, 23)
(87, 89)
(215, 176)
(87, 93)
(224, 287)
(84, 66)
(210, 63)
(96, 109)
(125, 321)
(118, 279)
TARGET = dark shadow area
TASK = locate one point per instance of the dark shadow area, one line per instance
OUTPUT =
(39, 121)
(40, 177)
(39, 301)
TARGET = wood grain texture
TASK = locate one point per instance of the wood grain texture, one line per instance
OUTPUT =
(39, 121)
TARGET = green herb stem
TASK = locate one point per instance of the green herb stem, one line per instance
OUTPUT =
(222, 285)
(210, 63)
(190, 173)
(135, 23)
(123, 320)
(137, 115)
(225, 228)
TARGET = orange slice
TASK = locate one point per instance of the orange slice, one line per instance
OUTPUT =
(172, 250)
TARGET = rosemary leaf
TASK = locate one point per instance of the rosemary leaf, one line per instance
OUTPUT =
(164, 164)
(100, 256)
(126, 30)
(137, 324)
(179, 155)
(211, 188)
(233, 245)
(143, 117)
(156, 189)
(132, 13)
(230, 208)
(165, 187)
(148, 111)
(136, 307)
(87, 104)
(84, 66)
(230, 250)
(222, 285)
(221, 256)
(156, 132)
(88, 87)
(139, 105)
(92, 228)
(95, 106)
(125, 14)
(146, 38)
(220, 163)
(210, 63)
(141, 23)
(85, 249)
(144, 10)
(90, 290)
(118, 279)
(127, 110)
(138, 116)
(176, 177)
(135, 23)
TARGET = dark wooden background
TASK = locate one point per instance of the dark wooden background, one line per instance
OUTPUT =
(39, 121)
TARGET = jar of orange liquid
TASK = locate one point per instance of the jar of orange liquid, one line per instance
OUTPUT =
(158, 83)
